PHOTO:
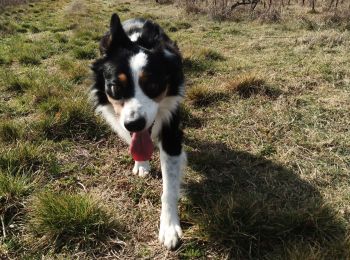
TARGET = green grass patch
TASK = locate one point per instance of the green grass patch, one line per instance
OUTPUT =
(9, 131)
(15, 82)
(209, 54)
(13, 187)
(201, 95)
(235, 221)
(86, 52)
(74, 119)
(192, 251)
(76, 71)
(200, 60)
(26, 157)
(188, 119)
(30, 59)
(71, 220)
(247, 86)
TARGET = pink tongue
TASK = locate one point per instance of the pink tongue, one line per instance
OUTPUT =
(141, 147)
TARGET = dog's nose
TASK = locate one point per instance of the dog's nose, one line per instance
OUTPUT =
(135, 125)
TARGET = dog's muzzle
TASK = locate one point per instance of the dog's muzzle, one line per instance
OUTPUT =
(135, 125)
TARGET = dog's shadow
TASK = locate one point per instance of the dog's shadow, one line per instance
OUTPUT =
(251, 207)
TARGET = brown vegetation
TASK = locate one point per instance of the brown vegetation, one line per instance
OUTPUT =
(266, 10)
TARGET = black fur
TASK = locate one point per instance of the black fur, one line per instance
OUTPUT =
(171, 135)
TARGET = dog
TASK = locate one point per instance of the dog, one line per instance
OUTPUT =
(138, 87)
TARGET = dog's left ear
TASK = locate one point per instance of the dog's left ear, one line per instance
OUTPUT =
(116, 38)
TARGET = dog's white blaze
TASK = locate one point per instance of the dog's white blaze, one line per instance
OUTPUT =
(133, 37)
(108, 113)
(140, 104)
(137, 62)
(172, 166)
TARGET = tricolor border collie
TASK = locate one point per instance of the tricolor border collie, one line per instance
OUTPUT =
(139, 84)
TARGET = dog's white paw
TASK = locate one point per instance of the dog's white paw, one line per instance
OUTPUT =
(141, 168)
(170, 234)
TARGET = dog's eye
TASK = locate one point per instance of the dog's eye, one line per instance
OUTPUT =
(113, 90)
(153, 90)
(153, 86)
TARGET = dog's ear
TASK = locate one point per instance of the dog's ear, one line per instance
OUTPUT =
(116, 37)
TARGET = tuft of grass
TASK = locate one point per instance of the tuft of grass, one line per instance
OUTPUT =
(30, 59)
(71, 220)
(191, 251)
(308, 24)
(200, 60)
(15, 83)
(248, 224)
(62, 38)
(12, 187)
(9, 131)
(76, 71)
(210, 54)
(194, 65)
(8, 27)
(5, 59)
(328, 39)
(26, 157)
(74, 119)
(201, 95)
(85, 52)
(188, 119)
(183, 25)
(248, 85)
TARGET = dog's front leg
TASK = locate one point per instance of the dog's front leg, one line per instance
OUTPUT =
(172, 160)
(142, 168)
(170, 230)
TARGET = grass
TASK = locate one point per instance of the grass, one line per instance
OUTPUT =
(247, 86)
(74, 219)
(27, 157)
(13, 187)
(202, 95)
(266, 133)
(9, 132)
(13, 190)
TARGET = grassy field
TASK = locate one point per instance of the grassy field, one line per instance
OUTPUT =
(266, 119)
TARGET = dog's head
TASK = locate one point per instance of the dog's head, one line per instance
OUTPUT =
(136, 79)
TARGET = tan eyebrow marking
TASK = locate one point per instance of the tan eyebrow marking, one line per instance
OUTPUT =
(143, 76)
(122, 78)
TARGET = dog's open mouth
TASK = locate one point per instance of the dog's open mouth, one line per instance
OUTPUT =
(141, 147)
